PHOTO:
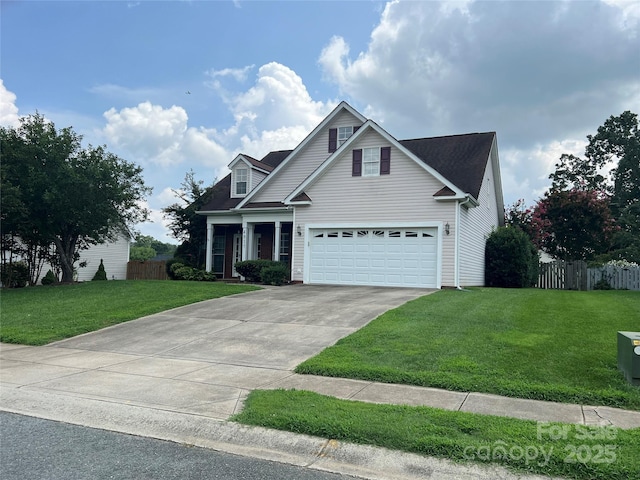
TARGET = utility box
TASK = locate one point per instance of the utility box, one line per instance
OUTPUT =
(629, 356)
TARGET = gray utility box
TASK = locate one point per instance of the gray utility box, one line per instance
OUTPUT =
(629, 356)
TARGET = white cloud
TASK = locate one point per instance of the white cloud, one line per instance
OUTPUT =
(239, 74)
(154, 135)
(538, 73)
(8, 110)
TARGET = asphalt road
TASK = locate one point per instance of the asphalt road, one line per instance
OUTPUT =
(37, 449)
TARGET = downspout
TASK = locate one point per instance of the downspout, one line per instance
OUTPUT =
(459, 205)
(456, 248)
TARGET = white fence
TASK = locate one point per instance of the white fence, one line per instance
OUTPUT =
(626, 278)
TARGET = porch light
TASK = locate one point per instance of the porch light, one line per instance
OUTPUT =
(299, 230)
(447, 228)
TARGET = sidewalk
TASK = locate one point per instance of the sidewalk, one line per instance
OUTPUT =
(189, 401)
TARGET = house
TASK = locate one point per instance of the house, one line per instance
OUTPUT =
(352, 205)
(113, 253)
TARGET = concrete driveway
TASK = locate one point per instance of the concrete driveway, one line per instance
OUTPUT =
(204, 358)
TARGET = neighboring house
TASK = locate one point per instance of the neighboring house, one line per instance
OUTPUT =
(115, 255)
(352, 205)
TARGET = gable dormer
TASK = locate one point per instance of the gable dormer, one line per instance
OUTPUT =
(246, 174)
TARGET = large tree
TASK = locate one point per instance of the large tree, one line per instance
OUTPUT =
(60, 195)
(615, 147)
(185, 224)
(573, 224)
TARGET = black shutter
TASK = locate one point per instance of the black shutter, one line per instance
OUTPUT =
(355, 129)
(333, 140)
(385, 160)
(356, 169)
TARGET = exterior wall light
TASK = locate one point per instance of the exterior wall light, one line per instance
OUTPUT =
(299, 230)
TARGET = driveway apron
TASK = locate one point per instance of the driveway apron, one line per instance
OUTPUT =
(203, 358)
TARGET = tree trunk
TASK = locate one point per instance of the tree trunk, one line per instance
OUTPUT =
(66, 249)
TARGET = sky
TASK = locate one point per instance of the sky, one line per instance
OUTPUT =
(187, 85)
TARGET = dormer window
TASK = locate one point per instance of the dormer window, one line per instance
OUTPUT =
(337, 136)
(240, 182)
(343, 134)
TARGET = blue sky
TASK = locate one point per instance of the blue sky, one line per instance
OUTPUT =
(261, 75)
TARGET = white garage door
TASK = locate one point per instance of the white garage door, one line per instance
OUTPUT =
(404, 257)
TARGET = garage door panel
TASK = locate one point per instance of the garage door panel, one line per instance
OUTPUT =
(392, 257)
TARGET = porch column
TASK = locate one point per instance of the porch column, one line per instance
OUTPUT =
(245, 238)
(209, 254)
(276, 241)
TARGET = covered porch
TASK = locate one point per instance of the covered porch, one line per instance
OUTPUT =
(259, 235)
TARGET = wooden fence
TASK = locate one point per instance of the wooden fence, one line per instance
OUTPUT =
(564, 275)
(627, 278)
(149, 270)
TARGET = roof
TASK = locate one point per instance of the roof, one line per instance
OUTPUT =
(462, 159)
(220, 196)
(221, 191)
(273, 159)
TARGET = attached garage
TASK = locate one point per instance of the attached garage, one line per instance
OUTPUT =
(390, 257)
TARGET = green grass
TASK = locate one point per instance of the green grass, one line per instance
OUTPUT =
(607, 454)
(40, 315)
(530, 343)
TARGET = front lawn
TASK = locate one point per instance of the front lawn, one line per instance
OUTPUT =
(40, 315)
(589, 453)
(530, 343)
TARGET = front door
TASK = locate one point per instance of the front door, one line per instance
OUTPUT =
(237, 253)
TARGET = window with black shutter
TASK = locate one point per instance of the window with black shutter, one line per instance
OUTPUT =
(356, 169)
(385, 160)
(333, 140)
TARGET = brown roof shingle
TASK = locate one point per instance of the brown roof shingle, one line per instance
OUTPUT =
(461, 159)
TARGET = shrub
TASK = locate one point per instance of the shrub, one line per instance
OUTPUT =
(183, 272)
(511, 259)
(14, 275)
(169, 263)
(101, 274)
(49, 279)
(251, 269)
(276, 274)
(602, 284)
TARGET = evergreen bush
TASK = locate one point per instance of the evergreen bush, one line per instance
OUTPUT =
(169, 264)
(101, 274)
(511, 259)
(251, 269)
(276, 274)
(14, 275)
(184, 272)
(49, 279)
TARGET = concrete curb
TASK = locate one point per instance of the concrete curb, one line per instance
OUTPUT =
(302, 450)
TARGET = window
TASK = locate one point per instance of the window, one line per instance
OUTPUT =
(218, 254)
(343, 134)
(370, 162)
(285, 247)
(242, 177)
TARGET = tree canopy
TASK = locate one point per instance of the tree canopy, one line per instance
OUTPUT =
(62, 196)
(185, 224)
(592, 210)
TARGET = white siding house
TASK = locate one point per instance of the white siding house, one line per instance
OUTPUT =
(352, 205)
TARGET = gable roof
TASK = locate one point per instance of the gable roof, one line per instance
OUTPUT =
(457, 191)
(341, 106)
(460, 158)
